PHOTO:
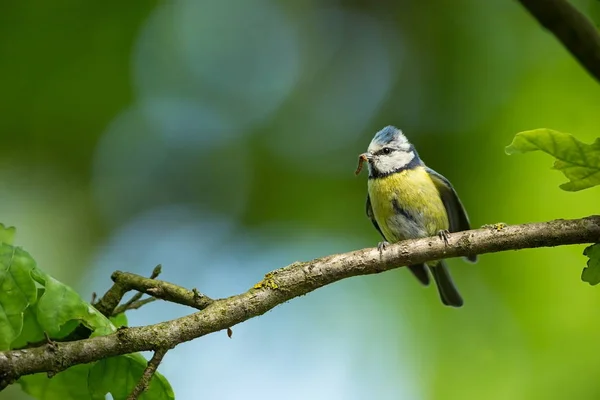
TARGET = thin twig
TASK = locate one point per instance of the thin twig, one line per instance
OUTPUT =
(135, 299)
(573, 29)
(295, 280)
(144, 381)
(111, 299)
(162, 290)
(125, 306)
(156, 272)
(133, 306)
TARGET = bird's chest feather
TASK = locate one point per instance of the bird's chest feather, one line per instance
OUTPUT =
(407, 205)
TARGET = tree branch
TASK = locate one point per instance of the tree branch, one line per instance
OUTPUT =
(108, 303)
(135, 301)
(133, 305)
(162, 290)
(573, 29)
(294, 280)
(125, 282)
(111, 299)
(142, 385)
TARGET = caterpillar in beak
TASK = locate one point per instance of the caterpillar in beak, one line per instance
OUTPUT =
(361, 159)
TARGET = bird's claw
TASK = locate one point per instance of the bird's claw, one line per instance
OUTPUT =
(381, 246)
(444, 234)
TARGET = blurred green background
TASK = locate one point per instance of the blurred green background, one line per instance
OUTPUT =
(220, 139)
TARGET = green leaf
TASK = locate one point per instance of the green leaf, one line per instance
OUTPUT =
(119, 320)
(33, 303)
(32, 332)
(119, 375)
(17, 292)
(578, 161)
(71, 384)
(29, 297)
(7, 234)
(60, 305)
(591, 273)
(115, 375)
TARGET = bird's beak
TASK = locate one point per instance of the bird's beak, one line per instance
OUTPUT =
(366, 157)
(361, 159)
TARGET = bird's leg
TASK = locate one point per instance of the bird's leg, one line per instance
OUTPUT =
(381, 246)
(444, 234)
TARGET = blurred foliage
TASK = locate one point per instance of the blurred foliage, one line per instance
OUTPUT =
(594, 12)
(131, 127)
(579, 162)
(7, 234)
(591, 274)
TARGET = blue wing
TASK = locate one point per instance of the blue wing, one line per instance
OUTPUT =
(419, 270)
(457, 216)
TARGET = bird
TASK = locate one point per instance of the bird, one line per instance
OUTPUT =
(408, 200)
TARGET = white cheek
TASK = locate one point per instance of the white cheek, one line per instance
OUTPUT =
(386, 164)
(394, 161)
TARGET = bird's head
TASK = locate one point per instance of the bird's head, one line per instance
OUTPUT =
(389, 152)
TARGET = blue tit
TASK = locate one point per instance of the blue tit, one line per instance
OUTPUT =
(408, 200)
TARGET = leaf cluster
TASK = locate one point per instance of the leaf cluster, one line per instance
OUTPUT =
(579, 162)
(36, 308)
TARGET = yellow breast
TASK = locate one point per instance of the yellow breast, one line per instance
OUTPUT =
(407, 205)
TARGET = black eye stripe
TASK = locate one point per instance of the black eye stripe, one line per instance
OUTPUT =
(385, 150)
